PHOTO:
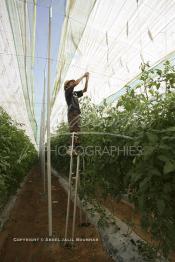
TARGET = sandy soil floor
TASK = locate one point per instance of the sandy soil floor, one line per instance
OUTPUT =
(28, 219)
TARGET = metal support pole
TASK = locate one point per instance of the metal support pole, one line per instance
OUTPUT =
(25, 37)
(48, 132)
(43, 135)
(75, 197)
(69, 186)
(44, 170)
(34, 30)
(86, 219)
(81, 219)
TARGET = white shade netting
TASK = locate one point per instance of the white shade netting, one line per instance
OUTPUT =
(117, 37)
(13, 83)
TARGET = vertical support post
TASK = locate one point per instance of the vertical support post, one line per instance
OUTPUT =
(69, 187)
(42, 127)
(43, 135)
(34, 31)
(75, 197)
(48, 132)
(80, 201)
(86, 219)
(25, 35)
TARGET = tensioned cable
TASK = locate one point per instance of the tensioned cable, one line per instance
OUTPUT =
(54, 60)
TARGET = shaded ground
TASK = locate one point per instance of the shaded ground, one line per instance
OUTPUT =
(28, 219)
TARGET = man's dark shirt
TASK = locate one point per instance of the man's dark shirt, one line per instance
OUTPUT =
(72, 99)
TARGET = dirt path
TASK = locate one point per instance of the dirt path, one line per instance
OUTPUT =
(29, 220)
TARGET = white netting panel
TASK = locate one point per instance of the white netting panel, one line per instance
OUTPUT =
(118, 36)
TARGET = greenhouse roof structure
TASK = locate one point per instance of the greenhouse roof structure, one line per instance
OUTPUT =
(110, 39)
(111, 153)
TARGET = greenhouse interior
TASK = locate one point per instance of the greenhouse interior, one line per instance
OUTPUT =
(87, 130)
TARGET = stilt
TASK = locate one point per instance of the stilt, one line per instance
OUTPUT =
(69, 187)
(80, 208)
(75, 197)
(86, 219)
(77, 184)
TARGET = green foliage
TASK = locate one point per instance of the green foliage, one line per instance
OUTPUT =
(142, 120)
(17, 156)
(147, 252)
(59, 162)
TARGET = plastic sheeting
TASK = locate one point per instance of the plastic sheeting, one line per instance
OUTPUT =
(15, 67)
(117, 36)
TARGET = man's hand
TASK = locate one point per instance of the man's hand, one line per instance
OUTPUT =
(86, 74)
(86, 84)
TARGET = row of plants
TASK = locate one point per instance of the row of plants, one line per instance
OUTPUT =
(129, 148)
(17, 156)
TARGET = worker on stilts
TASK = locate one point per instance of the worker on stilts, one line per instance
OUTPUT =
(74, 112)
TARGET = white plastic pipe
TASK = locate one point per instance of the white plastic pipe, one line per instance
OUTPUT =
(48, 132)
(75, 197)
(69, 189)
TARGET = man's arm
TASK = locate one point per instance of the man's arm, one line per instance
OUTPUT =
(86, 84)
(80, 93)
(79, 80)
(76, 82)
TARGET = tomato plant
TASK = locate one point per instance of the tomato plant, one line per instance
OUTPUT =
(142, 120)
(17, 155)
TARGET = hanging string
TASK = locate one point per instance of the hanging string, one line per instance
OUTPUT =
(150, 35)
(127, 28)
